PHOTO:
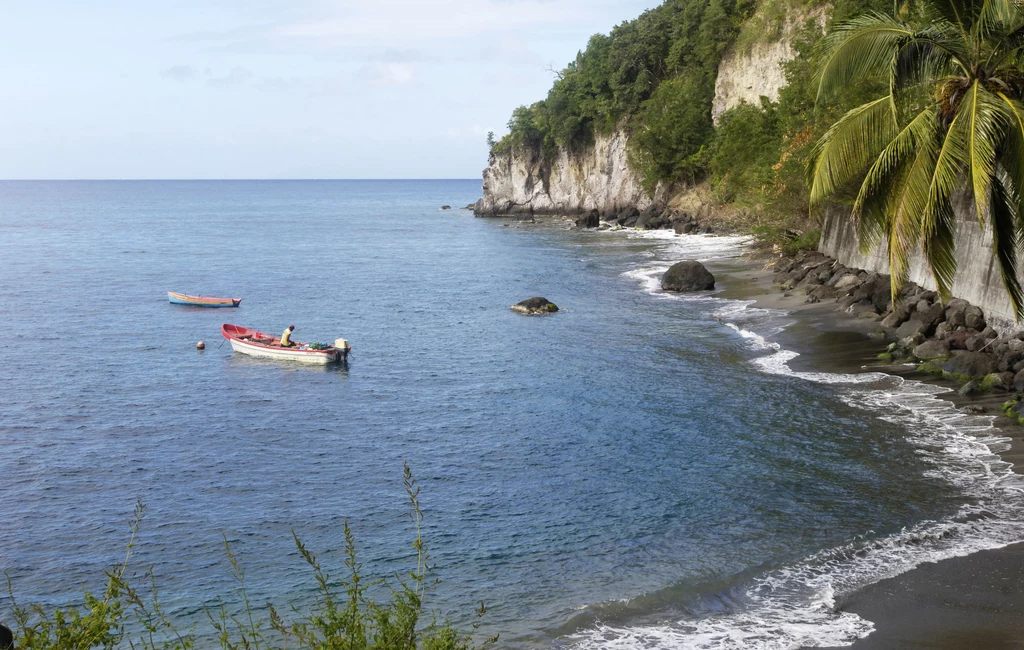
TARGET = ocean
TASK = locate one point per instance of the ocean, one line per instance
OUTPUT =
(639, 470)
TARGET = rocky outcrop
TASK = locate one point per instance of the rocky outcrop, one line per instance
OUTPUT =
(536, 305)
(953, 339)
(747, 74)
(598, 178)
(688, 275)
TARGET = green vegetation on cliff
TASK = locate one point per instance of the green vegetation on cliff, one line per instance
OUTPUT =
(655, 77)
(655, 74)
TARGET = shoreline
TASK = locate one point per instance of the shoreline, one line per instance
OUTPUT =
(959, 603)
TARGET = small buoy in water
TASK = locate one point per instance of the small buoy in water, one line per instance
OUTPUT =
(200, 346)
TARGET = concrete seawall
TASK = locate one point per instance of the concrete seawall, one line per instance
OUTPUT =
(977, 277)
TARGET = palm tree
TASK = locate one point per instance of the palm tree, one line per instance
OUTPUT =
(950, 129)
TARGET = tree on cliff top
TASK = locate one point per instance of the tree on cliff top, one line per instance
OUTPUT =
(951, 126)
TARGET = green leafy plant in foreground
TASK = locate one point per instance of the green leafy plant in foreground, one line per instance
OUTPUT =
(340, 619)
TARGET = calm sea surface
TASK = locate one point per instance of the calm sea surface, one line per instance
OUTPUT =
(636, 471)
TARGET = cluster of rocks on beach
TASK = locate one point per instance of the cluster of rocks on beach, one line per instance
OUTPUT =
(950, 339)
(653, 217)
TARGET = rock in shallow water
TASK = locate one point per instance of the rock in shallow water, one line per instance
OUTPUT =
(688, 275)
(536, 305)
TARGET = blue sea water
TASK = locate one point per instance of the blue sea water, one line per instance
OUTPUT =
(638, 470)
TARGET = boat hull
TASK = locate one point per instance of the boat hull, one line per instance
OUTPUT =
(304, 356)
(176, 298)
(258, 344)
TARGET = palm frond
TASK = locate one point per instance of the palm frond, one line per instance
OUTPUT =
(920, 60)
(858, 48)
(1010, 152)
(937, 219)
(908, 199)
(882, 183)
(940, 248)
(1006, 243)
(849, 146)
(994, 16)
(962, 13)
(980, 118)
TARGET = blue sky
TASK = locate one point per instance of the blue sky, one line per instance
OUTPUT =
(287, 89)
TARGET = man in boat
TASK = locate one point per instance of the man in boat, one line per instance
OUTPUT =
(286, 338)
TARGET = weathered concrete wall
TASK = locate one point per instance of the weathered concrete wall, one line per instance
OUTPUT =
(977, 278)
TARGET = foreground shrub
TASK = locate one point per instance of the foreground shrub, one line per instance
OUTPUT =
(345, 618)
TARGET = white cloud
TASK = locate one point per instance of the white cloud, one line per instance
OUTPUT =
(236, 77)
(399, 23)
(180, 73)
(390, 74)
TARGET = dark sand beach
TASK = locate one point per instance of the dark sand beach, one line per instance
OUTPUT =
(974, 602)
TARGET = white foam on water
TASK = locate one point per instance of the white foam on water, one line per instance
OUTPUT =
(794, 606)
(703, 248)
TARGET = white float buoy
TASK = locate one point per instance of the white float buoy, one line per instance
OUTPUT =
(200, 346)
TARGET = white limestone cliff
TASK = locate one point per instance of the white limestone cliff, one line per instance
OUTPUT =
(747, 75)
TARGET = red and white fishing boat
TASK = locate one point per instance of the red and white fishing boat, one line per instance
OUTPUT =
(258, 344)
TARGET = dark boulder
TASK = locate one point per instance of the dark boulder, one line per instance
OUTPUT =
(895, 318)
(958, 339)
(683, 227)
(932, 350)
(910, 328)
(929, 314)
(650, 218)
(535, 305)
(590, 219)
(629, 213)
(970, 364)
(688, 275)
(975, 318)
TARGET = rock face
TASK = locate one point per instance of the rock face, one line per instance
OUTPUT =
(688, 275)
(571, 183)
(599, 177)
(535, 305)
(746, 76)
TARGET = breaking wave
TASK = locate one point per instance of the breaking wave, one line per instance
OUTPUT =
(795, 606)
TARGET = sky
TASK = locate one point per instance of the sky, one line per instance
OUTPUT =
(285, 89)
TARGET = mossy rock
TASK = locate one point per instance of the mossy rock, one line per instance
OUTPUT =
(1012, 410)
(956, 377)
(536, 305)
(988, 382)
(931, 368)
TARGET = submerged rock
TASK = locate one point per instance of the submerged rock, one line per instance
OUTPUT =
(688, 275)
(536, 305)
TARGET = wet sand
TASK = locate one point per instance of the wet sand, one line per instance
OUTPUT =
(975, 602)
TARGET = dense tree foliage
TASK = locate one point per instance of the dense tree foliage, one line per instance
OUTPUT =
(654, 77)
(617, 81)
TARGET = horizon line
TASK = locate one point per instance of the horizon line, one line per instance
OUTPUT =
(107, 180)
